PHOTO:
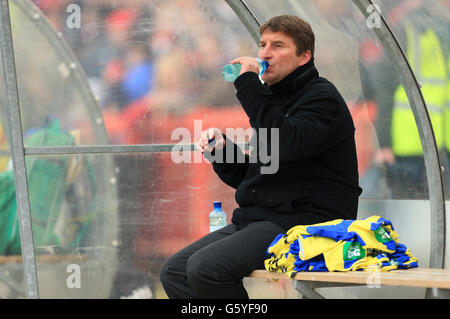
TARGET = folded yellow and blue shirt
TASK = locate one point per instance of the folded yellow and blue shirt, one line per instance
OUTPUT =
(339, 245)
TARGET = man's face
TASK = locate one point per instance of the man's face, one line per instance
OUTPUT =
(280, 51)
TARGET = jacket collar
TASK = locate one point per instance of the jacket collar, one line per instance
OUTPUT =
(295, 80)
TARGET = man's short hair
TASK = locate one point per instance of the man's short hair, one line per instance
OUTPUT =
(296, 28)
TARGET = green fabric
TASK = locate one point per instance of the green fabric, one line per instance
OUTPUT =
(47, 186)
(8, 225)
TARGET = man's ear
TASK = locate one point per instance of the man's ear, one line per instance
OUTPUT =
(305, 57)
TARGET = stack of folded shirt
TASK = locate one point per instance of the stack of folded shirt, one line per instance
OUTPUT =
(339, 245)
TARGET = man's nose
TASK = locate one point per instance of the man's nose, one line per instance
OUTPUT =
(265, 54)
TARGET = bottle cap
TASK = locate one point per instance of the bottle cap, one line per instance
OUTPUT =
(217, 204)
(264, 65)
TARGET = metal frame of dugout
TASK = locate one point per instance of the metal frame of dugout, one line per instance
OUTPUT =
(18, 151)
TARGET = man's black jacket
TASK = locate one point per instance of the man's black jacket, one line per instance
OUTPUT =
(317, 178)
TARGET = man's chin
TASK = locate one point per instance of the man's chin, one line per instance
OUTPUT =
(266, 79)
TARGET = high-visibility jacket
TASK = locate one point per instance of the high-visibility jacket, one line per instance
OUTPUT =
(426, 57)
(447, 108)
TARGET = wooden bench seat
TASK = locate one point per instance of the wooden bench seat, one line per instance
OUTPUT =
(306, 282)
(17, 259)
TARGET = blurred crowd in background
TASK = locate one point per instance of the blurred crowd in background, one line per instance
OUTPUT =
(168, 52)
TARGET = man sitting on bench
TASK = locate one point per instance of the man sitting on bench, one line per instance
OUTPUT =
(317, 175)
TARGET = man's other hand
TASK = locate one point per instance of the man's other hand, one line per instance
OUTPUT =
(210, 139)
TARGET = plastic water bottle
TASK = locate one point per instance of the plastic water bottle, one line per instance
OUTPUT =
(230, 72)
(217, 218)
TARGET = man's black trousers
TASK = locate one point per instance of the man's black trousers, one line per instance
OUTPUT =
(214, 266)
